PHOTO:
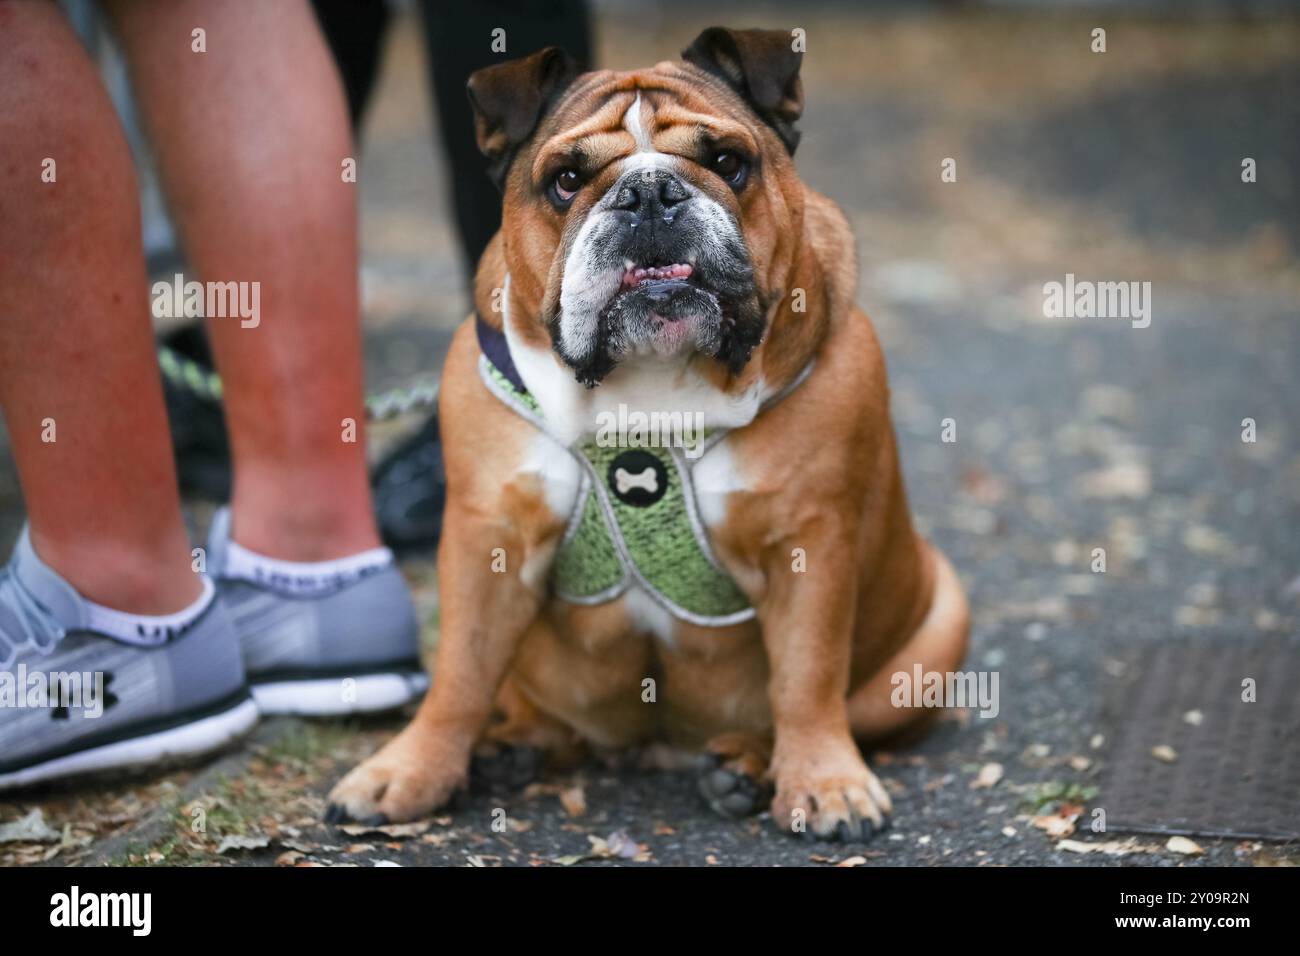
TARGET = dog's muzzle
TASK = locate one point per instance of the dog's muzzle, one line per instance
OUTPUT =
(658, 268)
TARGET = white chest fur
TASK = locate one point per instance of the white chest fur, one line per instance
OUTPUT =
(572, 411)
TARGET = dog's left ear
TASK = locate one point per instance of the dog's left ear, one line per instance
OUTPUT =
(762, 66)
(509, 99)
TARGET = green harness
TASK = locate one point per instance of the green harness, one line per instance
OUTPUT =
(635, 522)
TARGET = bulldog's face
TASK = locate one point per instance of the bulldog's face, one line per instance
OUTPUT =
(648, 211)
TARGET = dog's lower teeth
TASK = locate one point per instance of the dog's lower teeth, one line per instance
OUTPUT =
(642, 274)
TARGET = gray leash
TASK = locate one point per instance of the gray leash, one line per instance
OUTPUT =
(188, 374)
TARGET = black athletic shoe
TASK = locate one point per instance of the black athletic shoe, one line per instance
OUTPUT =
(410, 488)
(198, 423)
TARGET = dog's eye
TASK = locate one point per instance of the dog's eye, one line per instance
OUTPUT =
(565, 184)
(732, 168)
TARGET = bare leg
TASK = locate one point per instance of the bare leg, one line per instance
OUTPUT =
(76, 347)
(251, 136)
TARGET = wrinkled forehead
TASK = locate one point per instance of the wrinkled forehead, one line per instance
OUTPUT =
(670, 109)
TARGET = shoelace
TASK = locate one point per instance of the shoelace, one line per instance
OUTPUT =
(36, 623)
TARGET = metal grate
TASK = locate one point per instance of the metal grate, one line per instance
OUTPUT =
(1237, 772)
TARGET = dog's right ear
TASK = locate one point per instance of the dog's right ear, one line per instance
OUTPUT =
(510, 98)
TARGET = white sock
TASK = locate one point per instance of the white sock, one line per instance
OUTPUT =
(302, 578)
(147, 629)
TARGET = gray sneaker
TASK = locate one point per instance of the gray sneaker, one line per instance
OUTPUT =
(351, 650)
(74, 701)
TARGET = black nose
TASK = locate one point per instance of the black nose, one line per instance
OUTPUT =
(651, 193)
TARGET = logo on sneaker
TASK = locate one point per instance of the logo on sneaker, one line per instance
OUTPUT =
(106, 698)
(162, 633)
(300, 585)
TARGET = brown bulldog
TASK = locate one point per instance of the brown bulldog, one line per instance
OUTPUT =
(746, 598)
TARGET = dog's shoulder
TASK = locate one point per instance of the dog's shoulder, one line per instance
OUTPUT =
(827, 231)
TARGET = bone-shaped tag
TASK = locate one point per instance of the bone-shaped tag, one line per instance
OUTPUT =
(625, 480)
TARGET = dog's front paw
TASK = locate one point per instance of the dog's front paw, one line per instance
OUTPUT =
(400, 783)
(831, 795)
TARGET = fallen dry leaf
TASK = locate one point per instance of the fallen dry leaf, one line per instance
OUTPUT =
(1056, 824)
(243, 843)
(1108, 847)
(574, 801)
(1035, 755)
(619, 845)
(1164, 752)
(396, 831)
(988, 776)
(30, 829)
(1180, 844)
(540, 789)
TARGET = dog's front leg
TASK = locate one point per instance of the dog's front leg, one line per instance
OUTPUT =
(486, 608)
(823, 786)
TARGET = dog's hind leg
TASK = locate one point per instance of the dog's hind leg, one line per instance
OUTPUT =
(938, 645)
(523, 742)
(733, 777)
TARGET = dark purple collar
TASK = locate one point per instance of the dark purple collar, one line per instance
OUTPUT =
(494, 345)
